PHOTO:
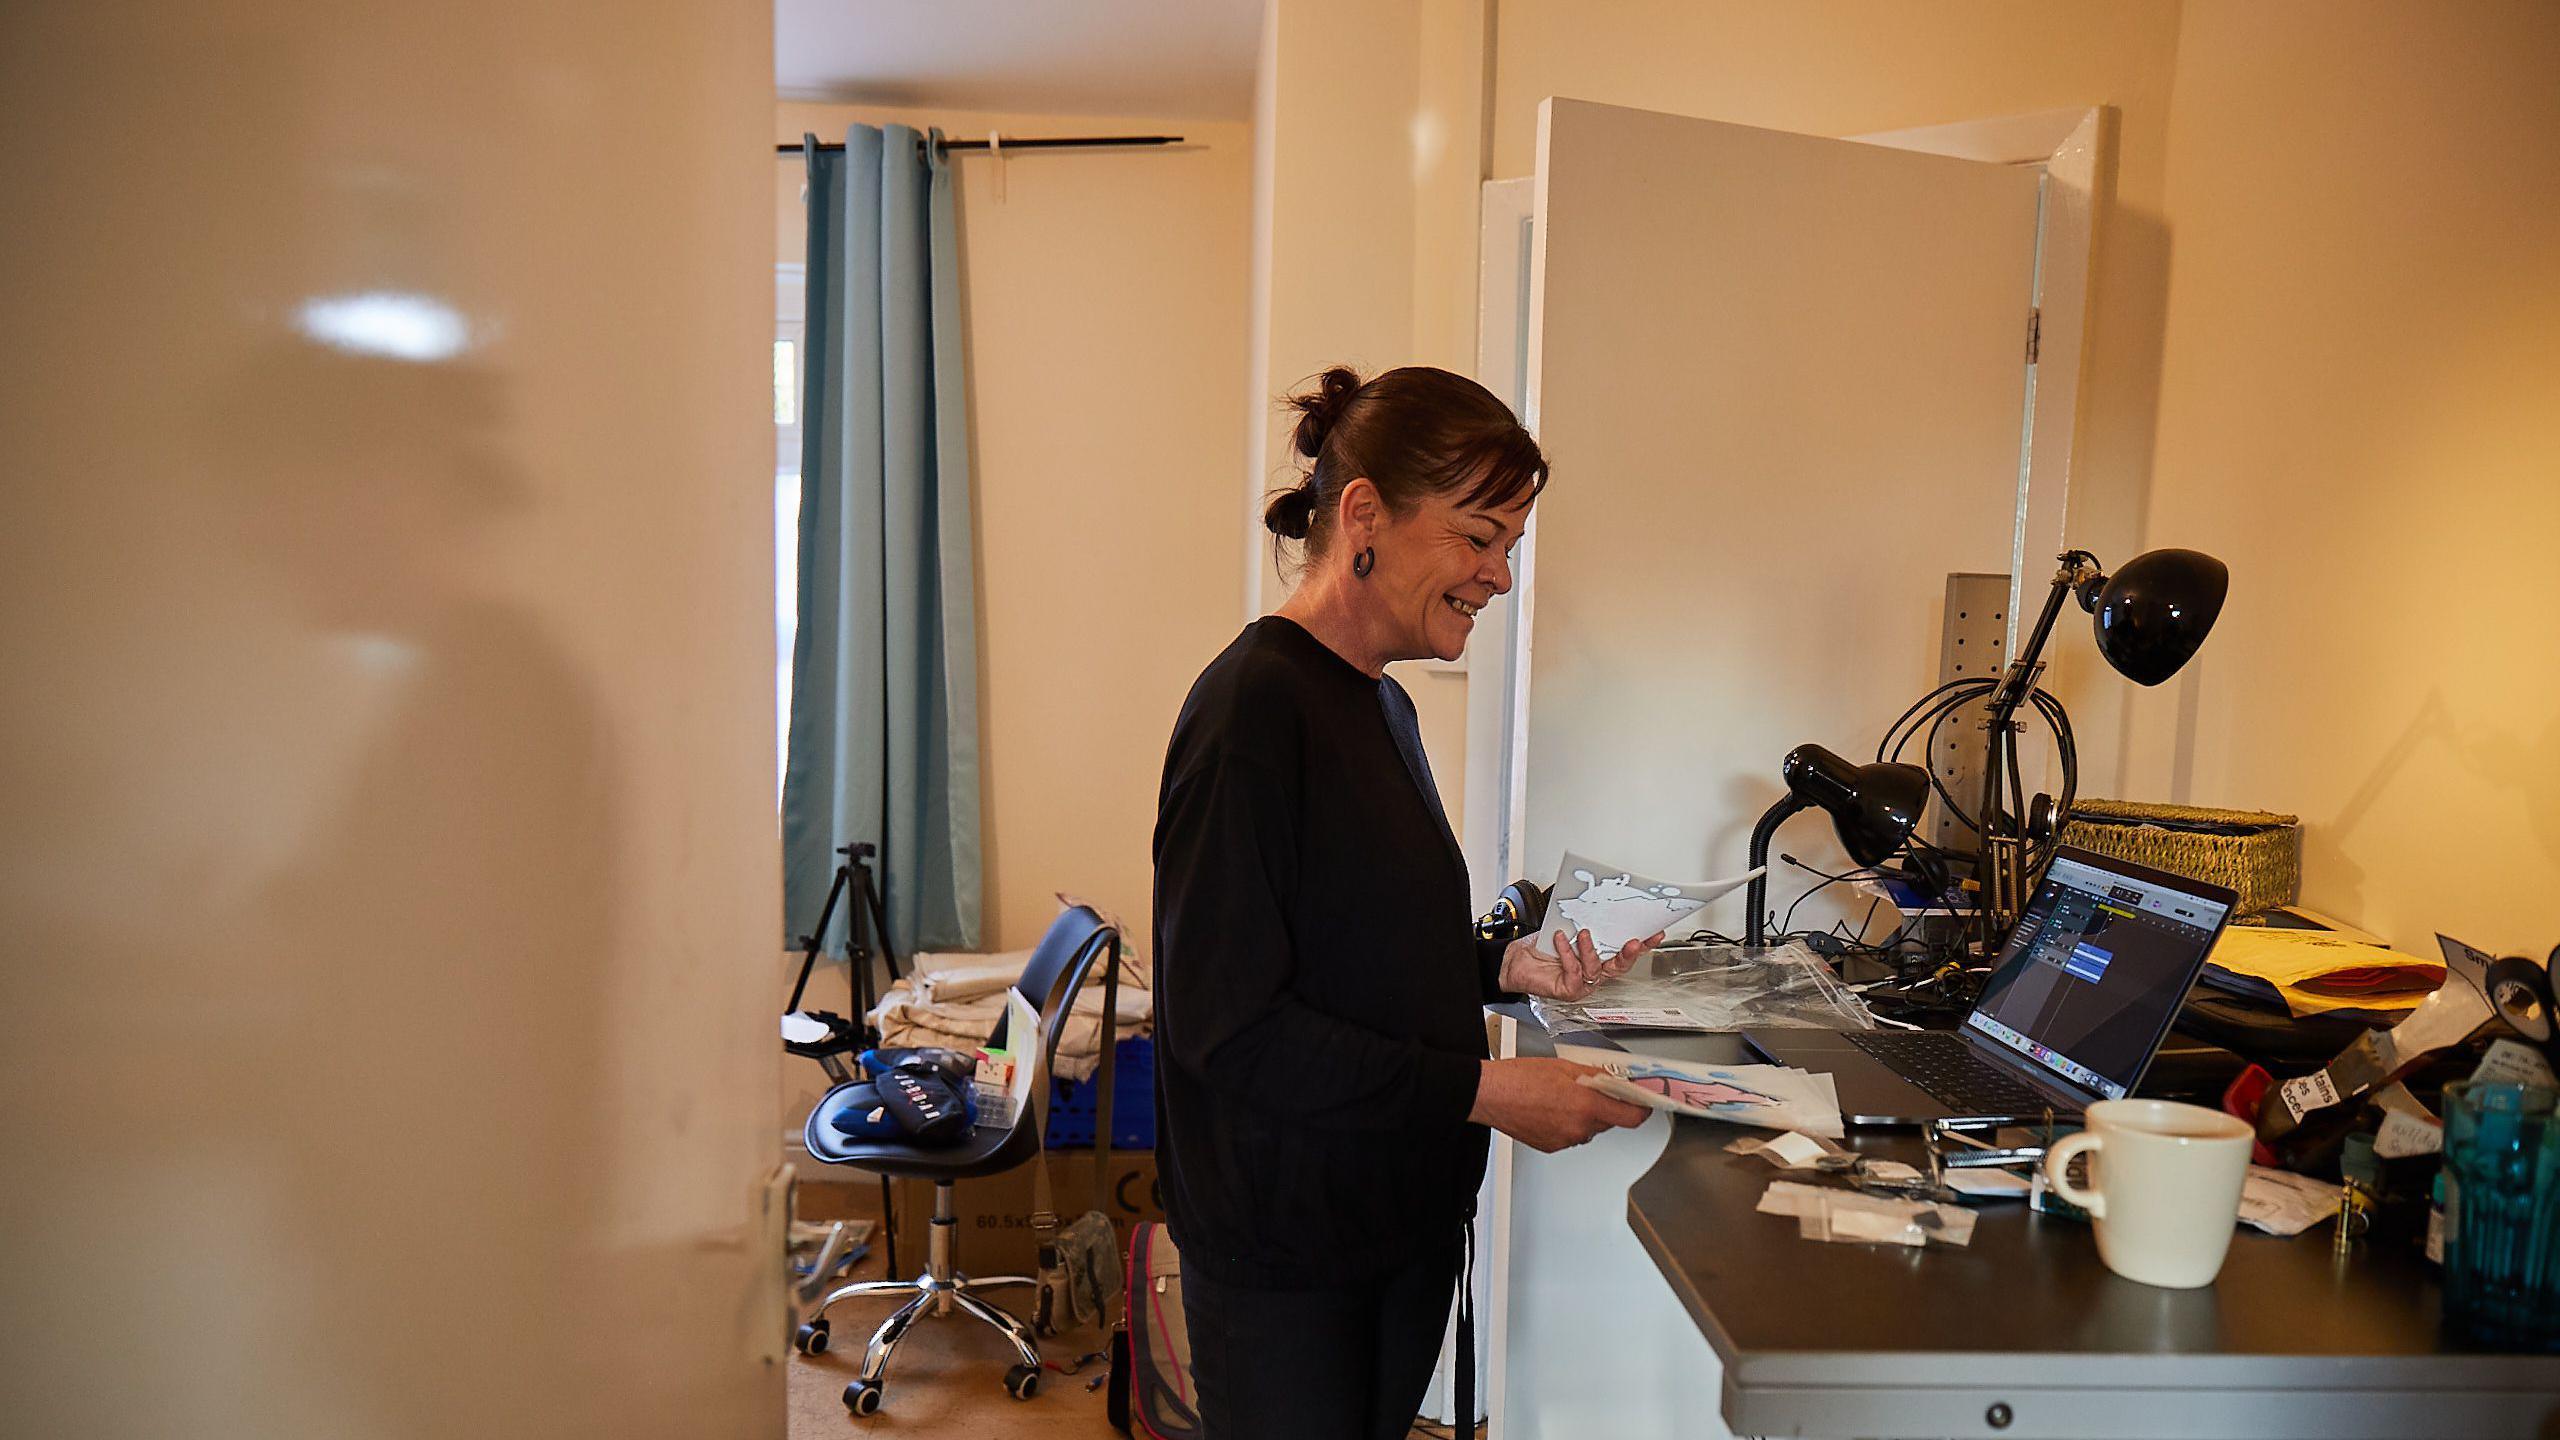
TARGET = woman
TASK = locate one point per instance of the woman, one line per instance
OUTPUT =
(1324, 1092)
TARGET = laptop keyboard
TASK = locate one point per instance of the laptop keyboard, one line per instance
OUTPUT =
(1941, 1064)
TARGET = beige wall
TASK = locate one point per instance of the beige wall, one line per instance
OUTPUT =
(1369, 144)
(388, 766)
(2320, 347)
(2360, 410)
(1104, 293)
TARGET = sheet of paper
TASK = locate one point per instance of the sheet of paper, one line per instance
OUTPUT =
(1789, 1150)
(1770, 1097)
(1648, 1017)
(1617, 905)
(1984, 1183)
(1823, 1212)
(2403, 1134)
(2511, 1062)
(2280, 1202)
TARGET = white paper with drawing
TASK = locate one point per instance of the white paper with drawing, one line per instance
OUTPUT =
(1617, 905)
(1772, 1097)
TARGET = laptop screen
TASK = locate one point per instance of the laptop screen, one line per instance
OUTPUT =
(2098, 962)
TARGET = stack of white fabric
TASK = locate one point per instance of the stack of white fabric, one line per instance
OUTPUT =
(956, 1001)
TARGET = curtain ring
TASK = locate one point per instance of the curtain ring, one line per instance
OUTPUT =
(995, 151)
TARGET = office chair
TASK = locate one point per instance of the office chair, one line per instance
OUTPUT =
(1059, 965)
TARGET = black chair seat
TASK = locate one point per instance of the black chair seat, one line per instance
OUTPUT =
(987, 1150)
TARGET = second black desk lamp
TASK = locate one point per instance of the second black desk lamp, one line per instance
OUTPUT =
(1872, 807)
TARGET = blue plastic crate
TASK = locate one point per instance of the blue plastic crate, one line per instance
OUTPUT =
(1133, 1101)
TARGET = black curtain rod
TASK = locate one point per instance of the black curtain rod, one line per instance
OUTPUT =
(1071, 142)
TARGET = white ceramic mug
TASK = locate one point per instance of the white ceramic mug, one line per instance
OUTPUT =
(2164, 1190)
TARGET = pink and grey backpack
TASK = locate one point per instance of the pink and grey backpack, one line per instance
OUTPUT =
(1151, 1394)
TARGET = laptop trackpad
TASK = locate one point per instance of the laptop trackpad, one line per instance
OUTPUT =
(1871, 1092)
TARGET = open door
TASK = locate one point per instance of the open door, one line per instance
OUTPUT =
(1783, 382)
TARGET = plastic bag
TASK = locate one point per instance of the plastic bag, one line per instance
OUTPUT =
(1715, 988)
(1845, 1217)
(1078, 1269)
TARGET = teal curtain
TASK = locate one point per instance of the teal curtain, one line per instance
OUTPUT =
(884, 694)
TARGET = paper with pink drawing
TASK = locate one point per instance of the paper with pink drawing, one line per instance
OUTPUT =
(1617, 905)
(1772, 1097)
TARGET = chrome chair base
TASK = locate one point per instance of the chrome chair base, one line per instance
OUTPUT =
(940, 1290)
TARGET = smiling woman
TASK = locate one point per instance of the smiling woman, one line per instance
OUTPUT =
(1323, 1090)
(1433, 478)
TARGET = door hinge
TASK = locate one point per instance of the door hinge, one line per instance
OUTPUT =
(2035, 332)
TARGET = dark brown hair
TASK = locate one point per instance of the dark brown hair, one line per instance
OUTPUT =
(1412, 432)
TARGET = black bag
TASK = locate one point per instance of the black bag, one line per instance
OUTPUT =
(927, 1106)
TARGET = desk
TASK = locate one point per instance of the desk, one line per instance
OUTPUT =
(1843, 1340)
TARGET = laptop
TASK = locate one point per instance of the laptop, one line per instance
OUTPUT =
(2073, 1013)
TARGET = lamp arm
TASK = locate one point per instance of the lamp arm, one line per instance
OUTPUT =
(1755, 932)
(1998, 882)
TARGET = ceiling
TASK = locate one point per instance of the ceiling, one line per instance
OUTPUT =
(1179, 59)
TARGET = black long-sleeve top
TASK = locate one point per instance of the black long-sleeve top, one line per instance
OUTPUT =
(1319, 990)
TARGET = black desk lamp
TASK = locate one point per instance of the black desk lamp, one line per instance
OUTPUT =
(2149, 619)
(1873, 808)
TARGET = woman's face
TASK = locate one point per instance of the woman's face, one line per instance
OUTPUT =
(1437, 567)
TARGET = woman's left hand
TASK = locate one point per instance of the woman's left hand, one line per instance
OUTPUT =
(1571, 968)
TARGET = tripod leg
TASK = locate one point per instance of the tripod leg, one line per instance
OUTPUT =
(815, 941)
(866, 925)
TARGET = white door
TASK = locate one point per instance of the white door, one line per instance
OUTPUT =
(1782, 382)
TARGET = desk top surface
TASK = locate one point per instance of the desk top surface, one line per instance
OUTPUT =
(2028, 1297)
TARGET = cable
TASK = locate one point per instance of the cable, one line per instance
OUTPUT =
(1977, 685)
(1786, 927)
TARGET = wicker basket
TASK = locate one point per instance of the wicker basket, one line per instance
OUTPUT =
(2252, 851)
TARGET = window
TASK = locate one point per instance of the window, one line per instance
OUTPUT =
(788, 318)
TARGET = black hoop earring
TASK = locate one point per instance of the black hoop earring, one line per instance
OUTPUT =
(1364, 562)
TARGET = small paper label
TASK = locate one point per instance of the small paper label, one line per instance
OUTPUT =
(2403, 1135)
(2282, 1203)
(2307, 1093)
(1660, 1019)
(2509, 1063)
(1795, 1151)
(2435, 1237)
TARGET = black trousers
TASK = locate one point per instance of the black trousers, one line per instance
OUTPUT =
(1318, 1364)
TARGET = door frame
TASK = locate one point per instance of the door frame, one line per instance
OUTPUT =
(1498, 651)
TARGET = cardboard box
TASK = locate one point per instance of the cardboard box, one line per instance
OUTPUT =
(994, 1231)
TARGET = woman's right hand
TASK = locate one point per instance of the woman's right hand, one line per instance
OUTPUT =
(1542, 1103)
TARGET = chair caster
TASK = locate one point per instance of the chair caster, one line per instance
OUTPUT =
(1022, 1381)
(811, 1339)
(862, 1397)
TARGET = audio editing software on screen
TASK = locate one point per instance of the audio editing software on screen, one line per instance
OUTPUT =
(2096, 967)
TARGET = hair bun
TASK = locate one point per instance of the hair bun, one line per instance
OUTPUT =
(1320, 408)
(1292, 512)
